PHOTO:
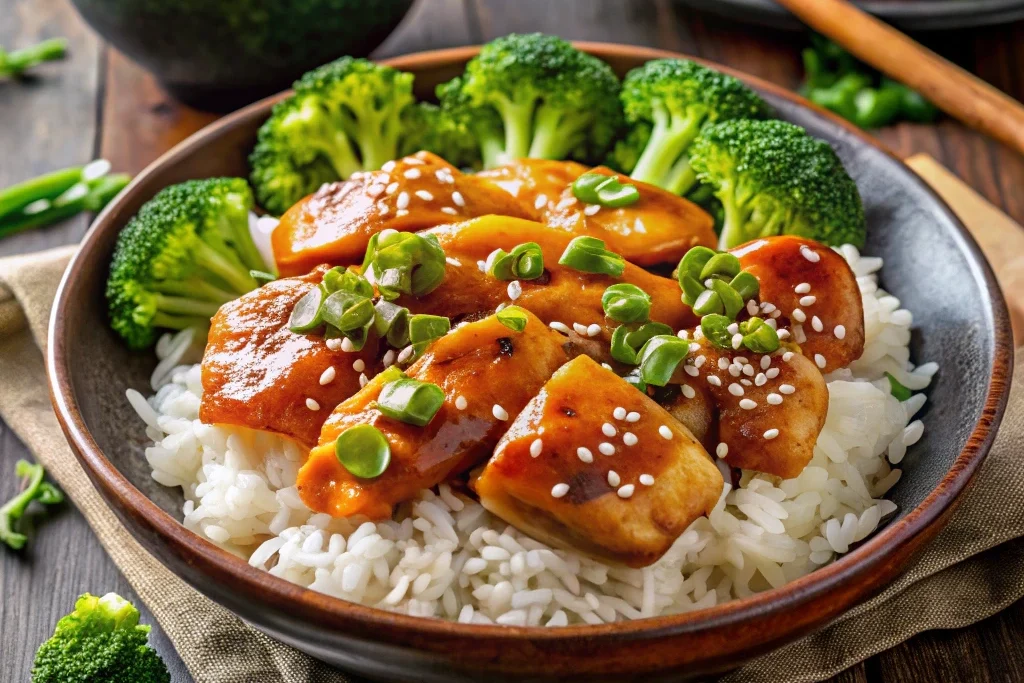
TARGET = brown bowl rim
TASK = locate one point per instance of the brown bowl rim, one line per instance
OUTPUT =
(325, 609)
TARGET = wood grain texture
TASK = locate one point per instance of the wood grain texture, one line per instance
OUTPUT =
(95, 103)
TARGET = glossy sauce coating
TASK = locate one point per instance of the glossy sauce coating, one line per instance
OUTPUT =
(781, 264)
(484, 362)
(258, 374)
(659, 228)
(625, 520)
(334, 224)
(537, 184)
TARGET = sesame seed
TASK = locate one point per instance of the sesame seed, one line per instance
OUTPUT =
(580, 329)
(559, 327)
(772, 323)
(614, 479)
(499, 413)
(802, 288)
(811, 256)
(405, 354)
(592, 209)
(799, 315)
(358, 365)
(740, 360)
(536, 447)
(461, 402)
(375, 190)
(383, 210)
(776, 313)
(783, 334)
(559, 490)
(771, 434)
(312, 404)
(389, 358)
(745, 382)
(633, 417)
(328, 376)
(424, 195)
(646, 480)
(748, 370)
(723, 363)
(540, 202)
(772, 373)
(691, 370)
(619, 413)
(363, 380)
(752, 307)
(665, 432)
(786, 388)
(412, 173)
(798, 334)
(515, 290)
(391, 189)
(683, 334)
(452, 261)
(457, 198)
(737, 340)
(786, 356)
(403, 200)
(808, 300)
(714, 381)
(625, 491)
(765, 362)
(608, 429)
(593, 330)
(747, 404)
(733, 328)
(768, 307)
(688, 391)
(840, 332)
(413, 161)
(388, 167)
(334, 344)
(606, 448)
(482, 266)
(449, 210)
(774, 399)
(735, 389)
(761, 379)
(401, 212)
(584, 454)
(629, 438)
(820, 361)
(816, 324)
(694, 347)
(722, 449)
(443, 175)
(347, 346)
(735, 370)
(698, 333)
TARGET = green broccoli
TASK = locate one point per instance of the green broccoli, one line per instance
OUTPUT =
(185, 253)
(101, 640)
(666, 102)
(34, 488)
(428, 127)
(345, 116)
(773, 178)
(539, 96)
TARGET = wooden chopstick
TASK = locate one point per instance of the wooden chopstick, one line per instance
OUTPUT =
(955, 91)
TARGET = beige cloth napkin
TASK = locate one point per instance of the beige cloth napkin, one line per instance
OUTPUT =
(973, 569)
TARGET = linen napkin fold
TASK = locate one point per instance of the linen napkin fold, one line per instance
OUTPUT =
(974, 568)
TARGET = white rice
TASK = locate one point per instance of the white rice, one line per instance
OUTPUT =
(444, 556)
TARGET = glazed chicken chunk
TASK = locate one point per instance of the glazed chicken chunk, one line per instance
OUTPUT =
(594, 464)
(487, 373)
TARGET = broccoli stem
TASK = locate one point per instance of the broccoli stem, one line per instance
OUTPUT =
(669, 139)
(195, 288)
(341, 155)
(220, 265)
(735, 218)
(518, 120)
(681, 178)
(15, 508)
(179, 322)
(15, 63)
(180, 305)
(236, 228)
(556, 132)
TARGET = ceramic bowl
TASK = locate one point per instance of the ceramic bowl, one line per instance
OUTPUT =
(931, 264)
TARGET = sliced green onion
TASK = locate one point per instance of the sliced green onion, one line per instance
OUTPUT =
(716, 330)
(512, 317)
(636, 380)
(262, 276)
(410, 400)
(659, 358)
(341, 279)
(746, 285)
(588, 254)
(724, 264)
(363, 451)
(404, 263)
(626, 303)
(692, 289)
(597, 188)
(693, 262)
(307, 312)
(391, 322)
(708, 303)
(732, 302)
(758, 336)
(424, 329)
(627, 340)
(585, 187)
(347, 311)
(524, 262)
(899, 392)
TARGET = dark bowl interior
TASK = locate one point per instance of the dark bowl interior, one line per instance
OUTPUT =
(222, 54)
(931, 264)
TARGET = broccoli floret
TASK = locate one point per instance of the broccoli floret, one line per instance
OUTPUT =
(536, 96)
(344, 117)
(34, 489)
(101, 640)
(773, 178)
(428, 127)
(666, 102)
(185, 253)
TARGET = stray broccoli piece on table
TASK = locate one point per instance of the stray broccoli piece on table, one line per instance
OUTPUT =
(772, 178)
(34, 488)
(185, 253)
(13, 64)
(535, 96)
(345, 116)
(101, 640)
(666, 103)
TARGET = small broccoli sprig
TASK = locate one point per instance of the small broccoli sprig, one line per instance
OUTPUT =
(773, 178)
(344, 117)
(15, 63)
(535, 96)
(34, 488)
(666, 102)
(101, 640)
(185, 253)
(428, 127)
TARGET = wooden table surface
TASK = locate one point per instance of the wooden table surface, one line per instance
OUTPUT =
(97, 103)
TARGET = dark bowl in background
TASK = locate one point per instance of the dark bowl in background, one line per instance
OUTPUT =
(222, 54)
(931, 264)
